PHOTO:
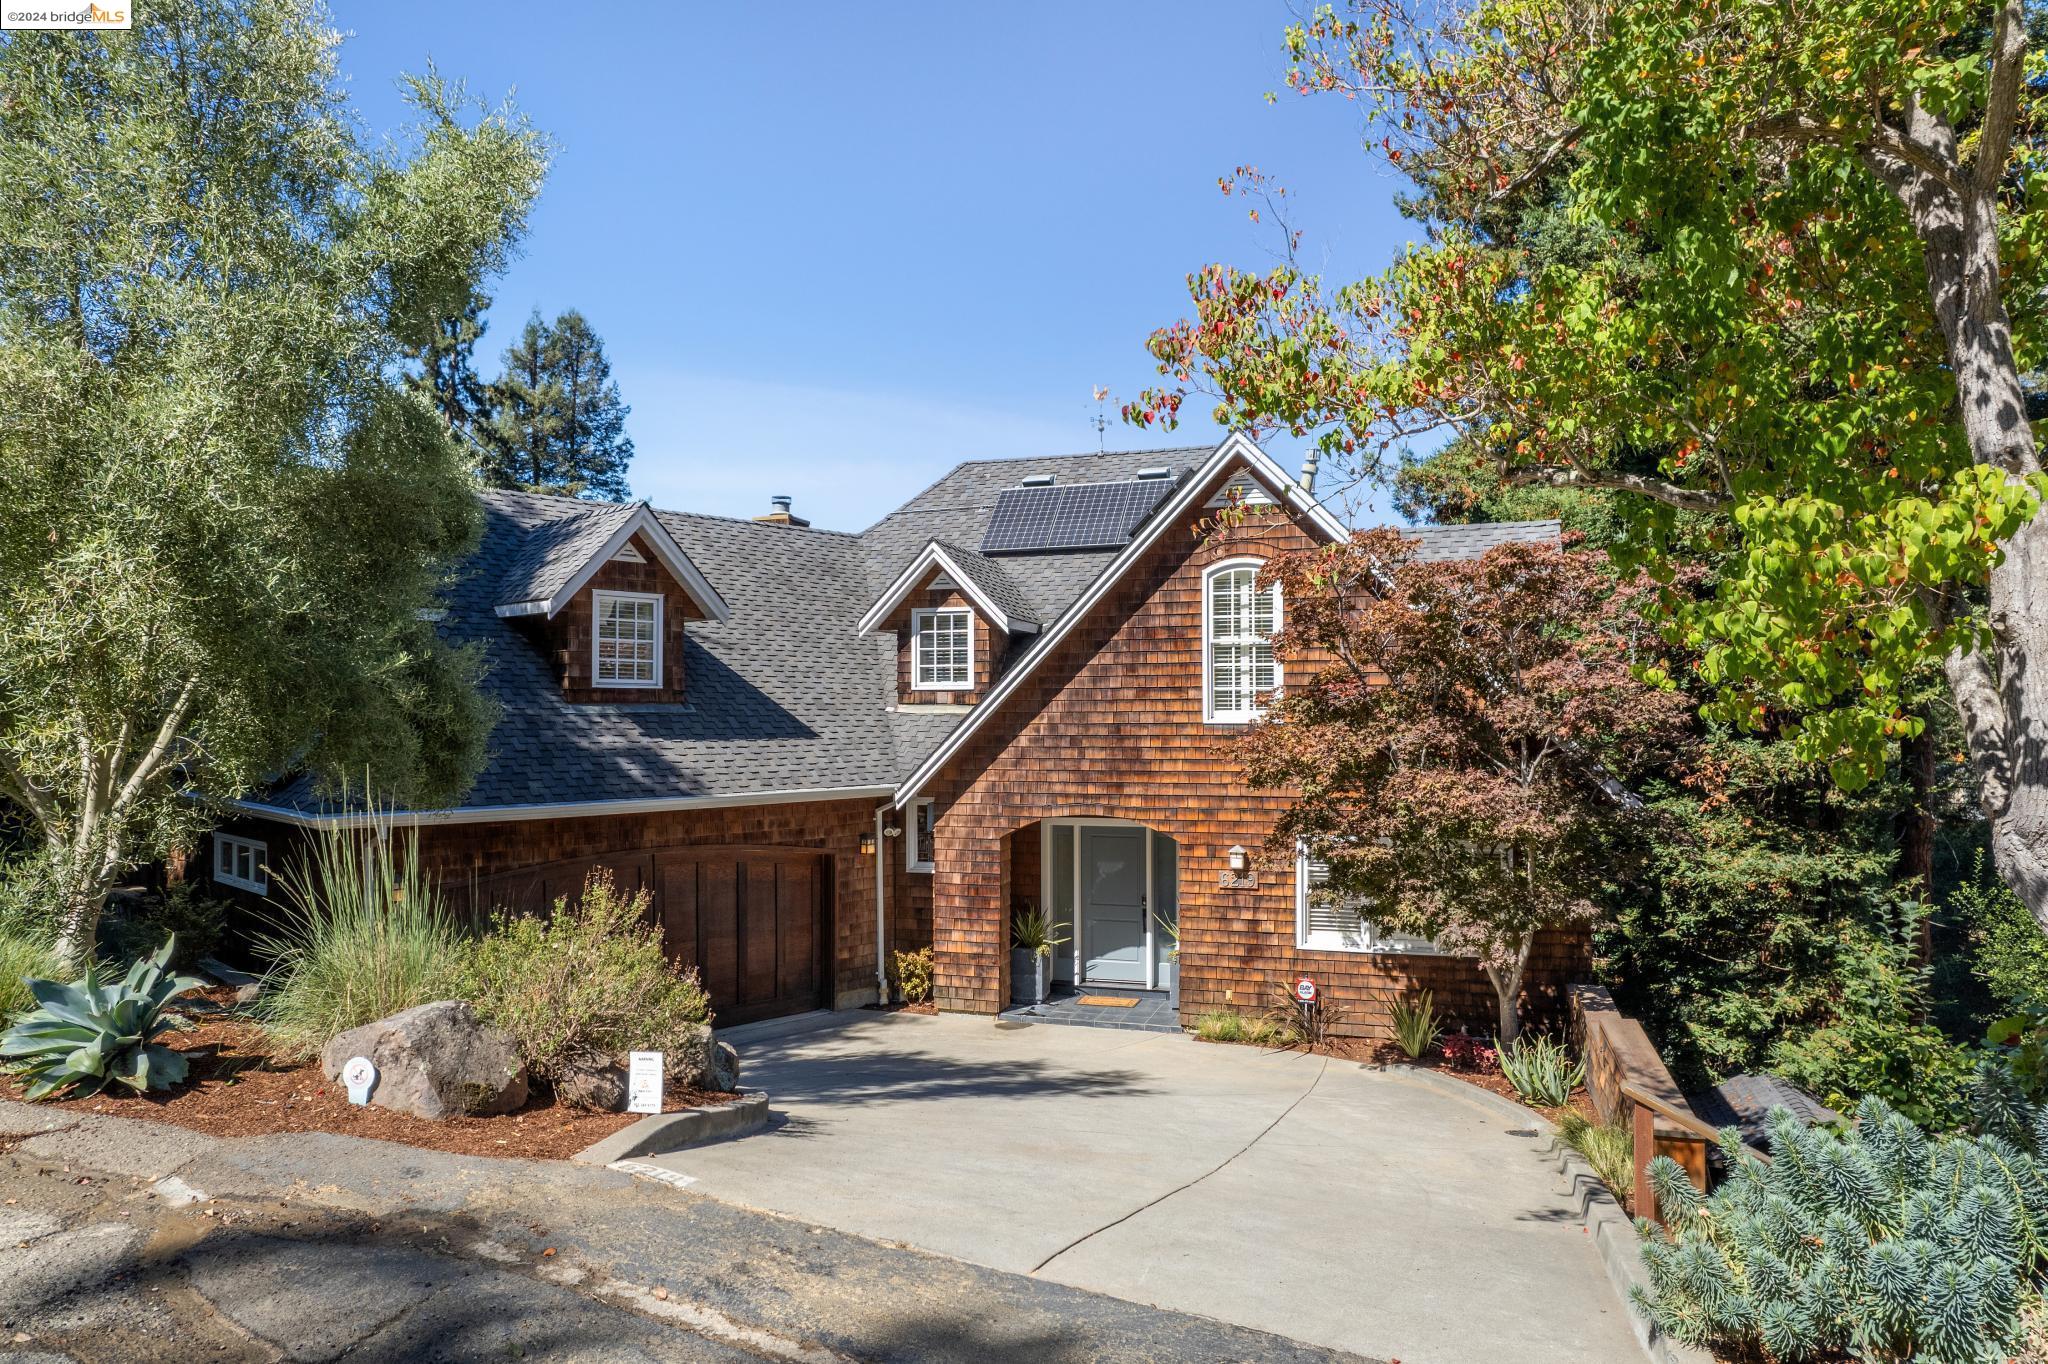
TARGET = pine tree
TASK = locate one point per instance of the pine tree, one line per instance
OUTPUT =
(557, 424)
(520, 439)
(594, 445)
(447, 376)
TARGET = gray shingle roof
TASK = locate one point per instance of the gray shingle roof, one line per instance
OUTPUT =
(992, 582)
(554, 548)
(956, 510)
(1469, 542)
(783, 695)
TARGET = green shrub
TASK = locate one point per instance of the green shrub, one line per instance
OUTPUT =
(87, 1035)
(22, 957)
(585, 984)
(28, 901)
(363, 935)
(1880, 1041)
(184, 912)
(913, 972)
(1228, 1025)
(1880, 1243)
(1542, 1071)
(1609, 1147)
(1417, 1024)
(2011, 955)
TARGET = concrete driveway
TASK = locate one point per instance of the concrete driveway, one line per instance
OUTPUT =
(1362, 1210)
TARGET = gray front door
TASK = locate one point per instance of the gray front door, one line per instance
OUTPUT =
(1113, 904)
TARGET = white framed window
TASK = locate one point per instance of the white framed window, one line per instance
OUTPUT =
(1239, 620)
(1326, 920)
(942, 649)
(625, 639)
(239, 862)
(920, 847)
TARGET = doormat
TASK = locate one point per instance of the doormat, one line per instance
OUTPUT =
(1107, 1001)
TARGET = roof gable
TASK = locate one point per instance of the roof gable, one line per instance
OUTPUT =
(1235, 449)
(560, 555)
(980, 579)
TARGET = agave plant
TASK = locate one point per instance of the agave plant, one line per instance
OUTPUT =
(85, 1035)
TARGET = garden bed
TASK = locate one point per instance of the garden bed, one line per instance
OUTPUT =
(238, 1087)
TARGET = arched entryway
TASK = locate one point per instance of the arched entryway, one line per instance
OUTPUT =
(1115, 882)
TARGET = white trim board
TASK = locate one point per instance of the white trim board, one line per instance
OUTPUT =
(578, 809)
(680, 567)
(1235, 446)
(934, 555)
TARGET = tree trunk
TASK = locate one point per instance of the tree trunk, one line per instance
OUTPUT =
(1507, 990)
(2003, 701)
(2002, 697)
(82, 886)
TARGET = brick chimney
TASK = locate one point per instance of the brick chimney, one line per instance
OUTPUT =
(779, 513)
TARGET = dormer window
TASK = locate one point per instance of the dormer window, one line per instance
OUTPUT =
(626, 639)
(942, 649)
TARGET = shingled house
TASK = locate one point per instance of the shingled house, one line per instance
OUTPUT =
(816, 748)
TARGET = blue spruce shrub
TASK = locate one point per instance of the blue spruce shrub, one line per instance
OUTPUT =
(1879, 1243)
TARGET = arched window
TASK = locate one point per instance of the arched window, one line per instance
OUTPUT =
(1239, 620)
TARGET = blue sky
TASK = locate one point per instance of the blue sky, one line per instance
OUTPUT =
(834, 249)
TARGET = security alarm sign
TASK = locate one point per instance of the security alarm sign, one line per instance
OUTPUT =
(1305, 991)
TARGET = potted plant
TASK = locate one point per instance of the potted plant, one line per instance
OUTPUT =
(1171, 931)
(1033, 939)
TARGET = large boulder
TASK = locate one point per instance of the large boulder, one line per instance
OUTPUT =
(598, 1084)
(704, 1062)
(434, 1061)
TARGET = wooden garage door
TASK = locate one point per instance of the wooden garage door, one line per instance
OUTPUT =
(753, 923)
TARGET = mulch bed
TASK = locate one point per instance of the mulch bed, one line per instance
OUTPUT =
(1492, 1081)
(239, 1088)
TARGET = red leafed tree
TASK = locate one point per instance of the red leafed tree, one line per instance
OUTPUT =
(1462, 752)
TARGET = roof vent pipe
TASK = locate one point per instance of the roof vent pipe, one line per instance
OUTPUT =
(1309, 462)
(779, 513)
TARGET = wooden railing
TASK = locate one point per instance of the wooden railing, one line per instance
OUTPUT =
(1645, 1110)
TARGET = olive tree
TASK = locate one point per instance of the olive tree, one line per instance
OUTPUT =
(226, 509)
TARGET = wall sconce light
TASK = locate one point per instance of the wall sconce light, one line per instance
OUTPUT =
(1239, 859)
(867, 845)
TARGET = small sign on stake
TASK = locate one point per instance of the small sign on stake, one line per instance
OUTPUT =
(360, 1075)
(643, 1082)
(1305, 991)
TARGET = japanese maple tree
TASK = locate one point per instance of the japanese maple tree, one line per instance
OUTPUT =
(1777, 265)
(1461, 758)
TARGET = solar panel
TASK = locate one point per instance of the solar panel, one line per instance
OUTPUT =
(1071, 516)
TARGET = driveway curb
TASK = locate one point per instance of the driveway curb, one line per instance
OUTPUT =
(1613, 1233)
(658, 1134)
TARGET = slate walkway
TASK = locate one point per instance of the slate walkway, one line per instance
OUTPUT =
(1147, 1012)
(132, 1242)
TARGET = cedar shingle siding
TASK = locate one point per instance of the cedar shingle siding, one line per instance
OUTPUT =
(1111, 727)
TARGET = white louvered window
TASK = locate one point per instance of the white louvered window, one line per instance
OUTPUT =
(626, 640)
(942, 649)
(1239, 620)
(1326, 920)
(239, 862)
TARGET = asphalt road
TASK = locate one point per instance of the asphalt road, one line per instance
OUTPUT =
(132, 1242)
